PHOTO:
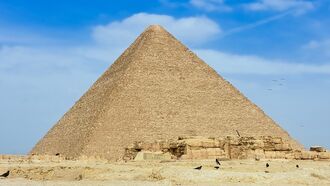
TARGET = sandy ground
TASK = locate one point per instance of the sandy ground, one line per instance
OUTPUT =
(234, 172)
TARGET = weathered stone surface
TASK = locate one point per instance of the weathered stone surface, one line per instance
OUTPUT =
(208, 143)
(194, 142)
(324, 155)
(307, 155)
(264, 147)
(283, 147)
(152, 156)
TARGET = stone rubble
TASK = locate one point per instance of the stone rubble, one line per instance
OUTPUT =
(225, 148)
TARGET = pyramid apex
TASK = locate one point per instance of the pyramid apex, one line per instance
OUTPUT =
(155, 28)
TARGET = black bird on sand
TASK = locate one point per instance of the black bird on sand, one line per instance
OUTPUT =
(267, 165)
(198, 168)
(297, 166)
(216, 167)
(5, 175)
(217, 161)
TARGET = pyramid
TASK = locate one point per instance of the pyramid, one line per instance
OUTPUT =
(156, 90)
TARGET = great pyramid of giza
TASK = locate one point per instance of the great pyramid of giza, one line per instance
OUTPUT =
(157, 89)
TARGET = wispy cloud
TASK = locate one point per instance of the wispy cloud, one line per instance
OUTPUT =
(320, 45)
(300, 6)
(210, 5)
(255, 24)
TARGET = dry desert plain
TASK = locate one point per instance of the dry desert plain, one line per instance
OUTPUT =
(25, 170)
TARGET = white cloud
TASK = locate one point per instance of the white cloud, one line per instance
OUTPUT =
(244, 64)
(210, 5)
(190, 30)
(321, 45)
(300, 6)
(317, 50)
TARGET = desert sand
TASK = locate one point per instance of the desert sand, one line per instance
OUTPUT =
(56, 171)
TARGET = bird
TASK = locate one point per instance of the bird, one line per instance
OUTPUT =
(57, 154)
(238, 133)
(297, 166)
(217, 161)
(198, 168)
(216, 167)
(267, 165)
(5, 175)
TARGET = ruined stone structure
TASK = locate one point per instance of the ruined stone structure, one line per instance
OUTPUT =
(225, 148)
(156, 90)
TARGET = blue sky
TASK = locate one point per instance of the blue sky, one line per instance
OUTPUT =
(277, 52)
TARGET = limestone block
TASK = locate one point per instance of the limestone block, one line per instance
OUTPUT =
(250, 154)
(283, 147)
(308, 155)
(235, 153)
(211, 151)
(208, 143)
(270, 154)
(186, 157)
(259, 144)
(280, 155)
(188, 152)
(269, 147)
(155, 147)
(290, 155)
(145, 155)
(324, 155)
(215, 152)
(276, 140)
(194, 142)
(218, 143)
(220, 152)
(297, 155)
(164, 145)
(259, 154)
(196, 154)
(203, 153)
(139, 156)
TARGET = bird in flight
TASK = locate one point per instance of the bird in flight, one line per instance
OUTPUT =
(198, 168)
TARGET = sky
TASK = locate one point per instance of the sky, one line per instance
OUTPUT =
(276, 52)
